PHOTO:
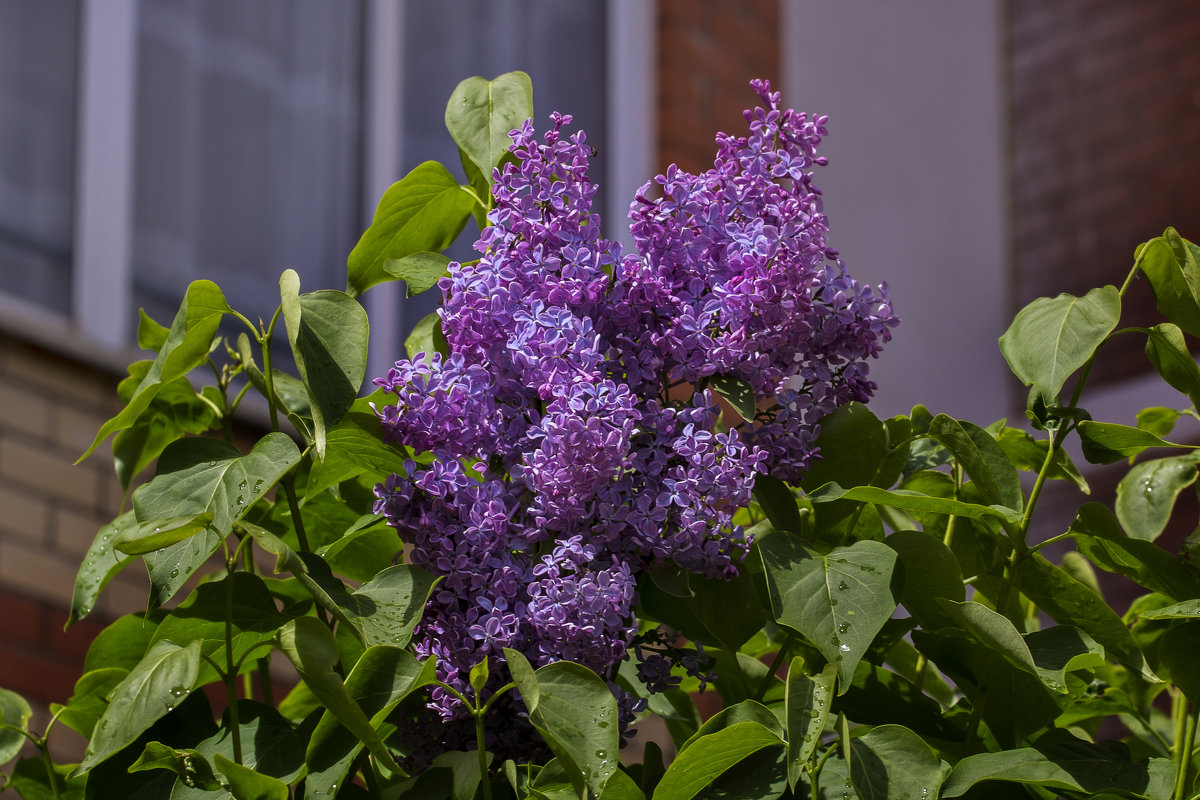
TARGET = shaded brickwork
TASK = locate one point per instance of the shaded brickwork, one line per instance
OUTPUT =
(50, 510)
(1105, 145)
(708, 51)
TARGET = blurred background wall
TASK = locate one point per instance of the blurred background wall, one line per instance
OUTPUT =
(982, 154)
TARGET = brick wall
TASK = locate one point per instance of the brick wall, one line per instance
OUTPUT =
(708, 51)
(50, 510)
(1105, 109)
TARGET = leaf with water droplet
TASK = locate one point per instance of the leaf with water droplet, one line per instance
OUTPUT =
(803, 584)
(99, 566)
(892, 762)
(141, 699)
(807, 707)
(1146, 495)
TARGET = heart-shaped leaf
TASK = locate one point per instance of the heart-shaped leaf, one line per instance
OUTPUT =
(480, 114)
(838, 600)
(1051, 338)
(423, 212)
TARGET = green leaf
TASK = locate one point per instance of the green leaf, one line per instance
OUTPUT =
(246, 784)
(150, 536)
(745, 711)
(209, 475)
(30, 781)
(419, 271)
(930, 571)
(1078, 766)
(1170, 266)
(853, 444)
(480, 113)
(1146, 495)
(186, 347)
(290, 395)
(1048, 654)
(427, 337)
(1051, 338)
(1158, 420)
(159, 682)
(778, 503)
(738, 393)
(1179, 654)
(918, 501)
(1106, 442)
(838, 600)
(311, 648)
(205, 475)
(1029, 454)
(981, 457)
(710, 756)
(150, 334)
(389, 606)
(576, 714)
(1069, 602)
(893, 763)
(1188, 609)
(965, 661)
(728, 609)
(123, 643)
(879, 696)
(807, 708)
(240, 598)
(100, 565)
(328, 332)
(355, 447)
(88, 702)
(423, 212)
(189, 764)
(14, 711)
(381, 679)
(480, 186)
(177, 410)
(1098, 536)
(1169, 354)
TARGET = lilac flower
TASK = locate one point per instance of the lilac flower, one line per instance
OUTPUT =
(565, 465)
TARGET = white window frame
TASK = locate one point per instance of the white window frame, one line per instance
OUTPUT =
(101, 304)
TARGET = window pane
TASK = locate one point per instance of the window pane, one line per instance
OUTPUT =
(37, 149)
(248, 131)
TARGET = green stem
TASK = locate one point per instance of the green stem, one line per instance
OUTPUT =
(264, 342)
(496, 695)
(289, 488)
(481, 749)
(1185, 741)
(51, 776)
(922, 665)
(814, 774)
(230, 668)
(844, 735)
(775, 662)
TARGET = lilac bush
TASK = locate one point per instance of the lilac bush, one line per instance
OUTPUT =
(576, 436)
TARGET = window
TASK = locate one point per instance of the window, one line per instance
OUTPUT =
(148, 143)
(37, 150)
(248, 148)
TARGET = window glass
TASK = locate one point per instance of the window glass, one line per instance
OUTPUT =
(248, 148)
(38, 68)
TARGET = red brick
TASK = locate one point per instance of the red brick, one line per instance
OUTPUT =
(20, 618)
(27, 672)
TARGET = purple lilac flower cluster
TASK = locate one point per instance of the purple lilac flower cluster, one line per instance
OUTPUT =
(561, 391)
